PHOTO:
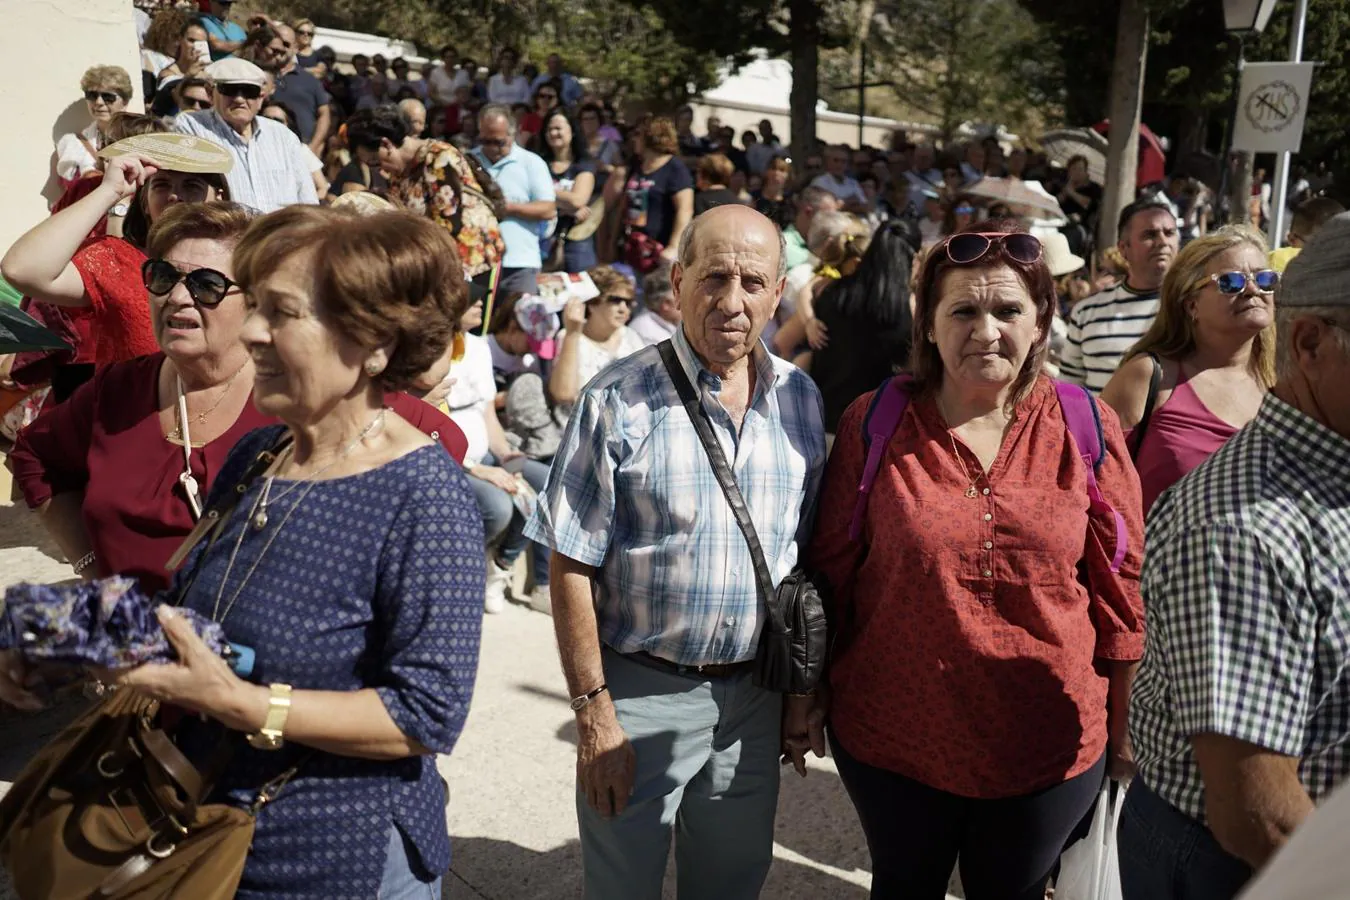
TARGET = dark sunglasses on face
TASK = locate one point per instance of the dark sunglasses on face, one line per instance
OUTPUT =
(305, 33)
(1266, 280)
(615, 300)
(247, 91)
(493, 142)
(107, 97)
(971, 247)
(195, 103)
(206, 287)
(965, 210)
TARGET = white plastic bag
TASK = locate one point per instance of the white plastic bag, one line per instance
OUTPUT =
(1089, 869)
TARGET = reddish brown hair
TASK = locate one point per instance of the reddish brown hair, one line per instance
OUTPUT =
(659, 136)
(716, 169)
(392, 277)
(925, 360)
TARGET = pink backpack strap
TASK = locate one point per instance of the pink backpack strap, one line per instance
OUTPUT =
(1084, 423)
(883, 416)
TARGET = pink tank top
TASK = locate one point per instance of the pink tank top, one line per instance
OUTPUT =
(1181, 435)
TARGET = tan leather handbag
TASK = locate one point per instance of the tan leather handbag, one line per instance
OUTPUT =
(111, 808)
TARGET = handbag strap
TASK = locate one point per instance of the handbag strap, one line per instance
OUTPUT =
(1154, 385)
(722, 471)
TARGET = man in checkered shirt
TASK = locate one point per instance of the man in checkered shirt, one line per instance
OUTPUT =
(1241, 709)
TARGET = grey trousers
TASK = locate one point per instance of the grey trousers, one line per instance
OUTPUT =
(707, 771)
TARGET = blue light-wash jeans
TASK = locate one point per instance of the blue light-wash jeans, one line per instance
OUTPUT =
(707, 770)
(400, 880)
(1167, 855)
(503, 523)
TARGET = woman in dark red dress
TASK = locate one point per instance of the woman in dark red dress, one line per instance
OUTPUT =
(119, 471)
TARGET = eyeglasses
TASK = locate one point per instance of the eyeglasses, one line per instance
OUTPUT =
(206, 287)
(247, 91)
(195, 103)
(972, 246)
(108, 97)
(1265, 280)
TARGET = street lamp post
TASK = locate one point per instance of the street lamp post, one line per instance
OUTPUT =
(1241, 18)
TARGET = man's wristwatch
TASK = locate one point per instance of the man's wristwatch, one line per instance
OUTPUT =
(269, 737)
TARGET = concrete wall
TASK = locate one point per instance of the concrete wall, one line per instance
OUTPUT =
(46, 46)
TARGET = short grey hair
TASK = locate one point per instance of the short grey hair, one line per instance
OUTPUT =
(656, 287)
(686, 246)
(497, 110)
(827, 225)
(1285, 316)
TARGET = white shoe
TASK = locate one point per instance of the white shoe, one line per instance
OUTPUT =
(540, 600)
(498, 581)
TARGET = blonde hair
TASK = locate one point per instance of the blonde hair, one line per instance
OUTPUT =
(848, 244)
(113, 78)
(1172, 334)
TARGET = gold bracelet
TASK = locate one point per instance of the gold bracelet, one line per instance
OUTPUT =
(269, 737)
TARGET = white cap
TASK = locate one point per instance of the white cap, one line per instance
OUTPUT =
(233, 70)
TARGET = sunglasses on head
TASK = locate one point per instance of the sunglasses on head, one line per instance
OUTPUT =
(247, 91)
(1265, 280)
(108, 97)
(973, 246)
(206, 287)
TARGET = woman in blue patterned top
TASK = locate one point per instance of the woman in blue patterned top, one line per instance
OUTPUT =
(352, 566)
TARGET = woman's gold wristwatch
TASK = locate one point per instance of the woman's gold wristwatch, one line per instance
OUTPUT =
(269, 737)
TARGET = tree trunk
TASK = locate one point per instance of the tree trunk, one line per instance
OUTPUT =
(1127, 84)
(1192, 131)
(804, 39)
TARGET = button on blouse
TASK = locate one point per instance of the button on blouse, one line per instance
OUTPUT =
(968, 647)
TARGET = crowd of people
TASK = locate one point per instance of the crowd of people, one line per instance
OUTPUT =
(319, 388)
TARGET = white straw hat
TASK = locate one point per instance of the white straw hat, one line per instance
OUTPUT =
(1058, 257)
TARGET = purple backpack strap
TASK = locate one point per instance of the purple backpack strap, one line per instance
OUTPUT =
(1085, 425)
(883, 417)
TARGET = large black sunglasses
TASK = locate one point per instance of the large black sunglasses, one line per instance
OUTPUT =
(972, 246)
(236, 89)
(206, 287)
(107, 97)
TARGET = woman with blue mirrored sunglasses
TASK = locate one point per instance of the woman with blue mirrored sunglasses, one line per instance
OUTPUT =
(1203, 368)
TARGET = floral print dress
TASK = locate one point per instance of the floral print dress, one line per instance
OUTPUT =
(443, 187)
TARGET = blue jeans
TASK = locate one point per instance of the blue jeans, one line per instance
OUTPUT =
(1167, 855)
(503, 523)
(707, 768)
(401, 880)
(578, 256)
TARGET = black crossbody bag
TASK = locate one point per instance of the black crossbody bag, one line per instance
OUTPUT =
(794, 640)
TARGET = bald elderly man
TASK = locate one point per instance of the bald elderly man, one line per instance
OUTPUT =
(653, 587)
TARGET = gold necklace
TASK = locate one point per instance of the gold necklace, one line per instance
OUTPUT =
(971, 492)
(176, 435)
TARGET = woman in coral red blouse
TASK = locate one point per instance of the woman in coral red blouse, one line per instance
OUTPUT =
(118, 472)
(985, 645)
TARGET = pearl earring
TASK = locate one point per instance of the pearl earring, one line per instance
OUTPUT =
(373, 368)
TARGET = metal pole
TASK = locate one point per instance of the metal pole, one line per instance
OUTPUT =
(861, 87)
(1279, 198)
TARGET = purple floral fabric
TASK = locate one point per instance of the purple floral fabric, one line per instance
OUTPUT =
(109, 623)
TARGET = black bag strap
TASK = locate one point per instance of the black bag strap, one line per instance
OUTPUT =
(725, 478)
(1154, 385)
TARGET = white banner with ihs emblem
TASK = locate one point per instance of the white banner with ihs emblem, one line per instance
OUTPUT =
(1272, 107)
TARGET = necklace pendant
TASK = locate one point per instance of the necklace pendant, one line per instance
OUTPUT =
(260, 520)
(971, 493)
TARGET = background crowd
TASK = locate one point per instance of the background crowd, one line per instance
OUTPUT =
(890, 260)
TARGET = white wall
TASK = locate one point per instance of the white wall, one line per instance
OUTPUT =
(46, 46)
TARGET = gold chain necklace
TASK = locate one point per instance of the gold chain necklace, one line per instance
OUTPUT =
(971, 491)
(176, 435)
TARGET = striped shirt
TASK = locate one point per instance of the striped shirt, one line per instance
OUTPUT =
(1246, 586)
(632, 494)
(271, 169)
(1102, 329)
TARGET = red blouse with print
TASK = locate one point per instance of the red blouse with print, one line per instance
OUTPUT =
(968, 654)
(107, 441)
